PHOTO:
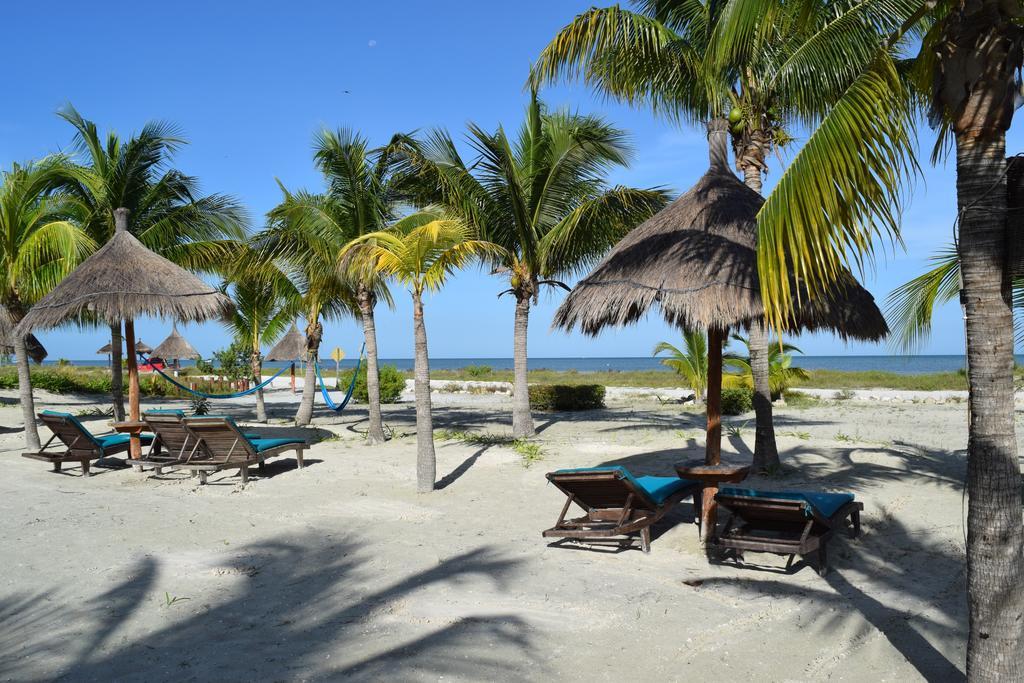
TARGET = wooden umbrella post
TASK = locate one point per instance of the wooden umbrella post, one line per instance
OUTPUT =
(135, 445)
(713, 448)
(293, 377)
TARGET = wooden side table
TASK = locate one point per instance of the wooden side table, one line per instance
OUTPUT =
(710, 477)
(133, 428)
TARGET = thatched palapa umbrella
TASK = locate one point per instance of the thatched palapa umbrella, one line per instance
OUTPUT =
(140, 347)
(696, 259)
(291, 346)
(122, 281)
(175, 347)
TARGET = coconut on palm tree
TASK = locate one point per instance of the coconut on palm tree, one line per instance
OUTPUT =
(420, 251)
(673, 57)
(167, 212)
(40, 244)
(543, 197)
(365, 187)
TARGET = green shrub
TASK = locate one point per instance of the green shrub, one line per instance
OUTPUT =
(477, 370)
(737, 401)
(392, 384)
(566, 396)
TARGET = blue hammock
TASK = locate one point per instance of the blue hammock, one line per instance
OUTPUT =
(338, 407)
(237, 394)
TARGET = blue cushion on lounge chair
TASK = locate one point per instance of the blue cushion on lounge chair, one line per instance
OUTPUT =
(826, 504)
(658, 489)
(263, 444)
(110, 440)
(74, 420)
(166, 411)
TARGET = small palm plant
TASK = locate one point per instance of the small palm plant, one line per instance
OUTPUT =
(782, 374)
(691, 364)
(420, 252)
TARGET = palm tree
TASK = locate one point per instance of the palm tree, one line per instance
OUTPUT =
(691, 364)
(364, 190)
(966, 70)
(543, 198)
(40, 244)
(781, 371)
(167, 212)
(308, 256)
(674, 57)
(420, 251)
(266, 303)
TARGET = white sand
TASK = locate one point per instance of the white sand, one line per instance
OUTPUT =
(342, 570)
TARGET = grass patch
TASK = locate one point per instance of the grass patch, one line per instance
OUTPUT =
(877, 379)
(798, 399)
(529, 451)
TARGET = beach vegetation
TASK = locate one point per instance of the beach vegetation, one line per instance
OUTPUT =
(782, 374)
(564, 397)
(690, 362)
(737, 401)
(390, 387)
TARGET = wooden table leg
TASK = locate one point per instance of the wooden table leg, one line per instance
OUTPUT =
(708, 514)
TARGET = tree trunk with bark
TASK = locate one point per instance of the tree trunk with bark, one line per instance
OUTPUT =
(375, 430)
(766, 452)
(426, 460)
(256, 360)
(28, 407)
(116, 373)
(314, 333)
(522, 420)
(995, 534)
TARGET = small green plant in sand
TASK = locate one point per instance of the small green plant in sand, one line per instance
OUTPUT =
(736, 430)
(200, 405)
(95, 411)
(843, 395)
(803, 436)
(172, 599)
(799, 399)
(529, 451)
(846, 438)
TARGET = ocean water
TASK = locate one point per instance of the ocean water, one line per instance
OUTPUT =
(908, 365)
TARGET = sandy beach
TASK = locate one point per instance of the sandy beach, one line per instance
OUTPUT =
(341, 570)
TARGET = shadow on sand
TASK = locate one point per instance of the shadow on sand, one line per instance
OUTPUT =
(291, 609)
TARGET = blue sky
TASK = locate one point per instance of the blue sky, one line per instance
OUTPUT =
(250, 83)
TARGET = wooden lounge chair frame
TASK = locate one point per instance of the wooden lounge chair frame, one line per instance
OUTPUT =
(172, 441)
(783, 526)
(220, 445)
(608, 515)
(80, 446)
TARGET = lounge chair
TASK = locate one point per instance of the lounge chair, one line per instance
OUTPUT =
(80, 445)
(173, 442)
(786, 522)
(616, 502)
(220, 445)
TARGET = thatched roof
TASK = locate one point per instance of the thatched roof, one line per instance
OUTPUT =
(123, 280)
(36, 352)
(140, 347)
(291, 346)
(697, 260)
(175, 347)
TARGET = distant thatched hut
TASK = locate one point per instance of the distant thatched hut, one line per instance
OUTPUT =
(289, 348)
(174, 348)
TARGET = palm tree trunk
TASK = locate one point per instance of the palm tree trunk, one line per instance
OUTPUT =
(28, 408)
(766, 453)
(305, 413)
(314, 333)
(116, 376)
(375, 431)
(995, 534)
(522, 421)
(257, 376)
(426, 460)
